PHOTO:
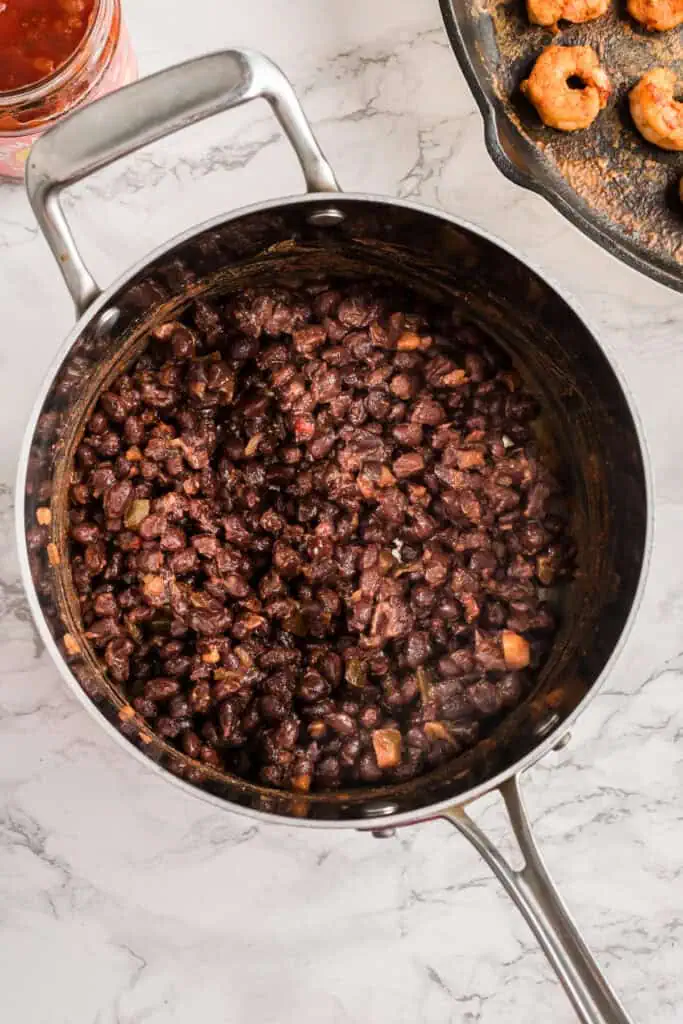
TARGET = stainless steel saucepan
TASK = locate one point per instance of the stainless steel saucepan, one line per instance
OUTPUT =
(352, 236)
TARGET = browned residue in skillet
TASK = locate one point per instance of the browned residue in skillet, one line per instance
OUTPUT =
(624, 181)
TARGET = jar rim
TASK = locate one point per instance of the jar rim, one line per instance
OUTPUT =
(104, 11)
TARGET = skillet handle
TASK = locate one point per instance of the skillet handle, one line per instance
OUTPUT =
(145, 111)
(534, 892)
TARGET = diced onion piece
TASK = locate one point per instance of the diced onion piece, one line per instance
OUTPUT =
(356, 673)
(136, 513)
(301, 783)
(252, 445)
(408, 341)
(71, 646)
(438, 731)
(515, 650)
(424, 683)
(387, 744)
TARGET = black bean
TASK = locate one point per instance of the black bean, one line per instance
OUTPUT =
(277, 544)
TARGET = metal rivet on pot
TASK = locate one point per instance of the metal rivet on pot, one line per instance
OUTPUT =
(379, 809)
(563, 741)
(326, 217)
(546, 725)
(106, 322)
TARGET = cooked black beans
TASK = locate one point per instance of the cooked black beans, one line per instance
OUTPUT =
(310, 534)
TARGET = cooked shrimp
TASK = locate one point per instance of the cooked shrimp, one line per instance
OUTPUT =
(657, 15)
(657, 115)
(549, 12)
(548, 87)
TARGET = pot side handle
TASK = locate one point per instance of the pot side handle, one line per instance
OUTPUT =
(534, 892)
(145, 111)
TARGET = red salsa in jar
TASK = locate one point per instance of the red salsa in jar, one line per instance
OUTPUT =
(37, 37)
(55, 55)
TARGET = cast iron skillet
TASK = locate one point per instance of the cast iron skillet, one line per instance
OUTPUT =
(298, 239)
(614, 186)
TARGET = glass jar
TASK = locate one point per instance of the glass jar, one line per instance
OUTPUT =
(103, 61)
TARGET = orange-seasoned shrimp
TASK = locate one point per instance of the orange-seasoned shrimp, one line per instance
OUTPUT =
(549, 12)
(657, 115)
(657, 15)
(550, 87)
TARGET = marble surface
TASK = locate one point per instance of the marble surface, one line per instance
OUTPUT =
(122, 900)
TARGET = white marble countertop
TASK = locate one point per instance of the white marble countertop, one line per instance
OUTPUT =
(122, 900)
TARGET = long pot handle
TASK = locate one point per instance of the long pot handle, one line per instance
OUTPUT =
(143, 112)
(534, 892)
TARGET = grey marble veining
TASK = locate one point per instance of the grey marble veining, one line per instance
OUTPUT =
(121, 900)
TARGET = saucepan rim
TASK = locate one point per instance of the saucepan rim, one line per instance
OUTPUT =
(363, 823)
